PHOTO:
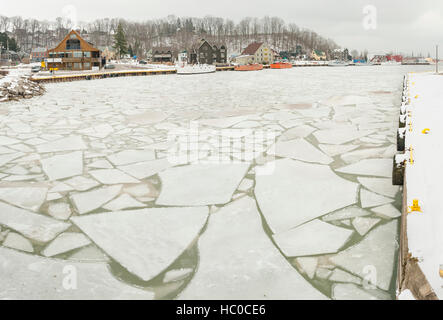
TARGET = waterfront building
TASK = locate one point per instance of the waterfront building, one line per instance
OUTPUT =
(39, 54)
(207, 53)
(162, 54)
(318, 55)
(258, 52)
(74, 53)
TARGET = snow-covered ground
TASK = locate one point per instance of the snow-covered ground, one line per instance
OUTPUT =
(284, 190)
(424, 176)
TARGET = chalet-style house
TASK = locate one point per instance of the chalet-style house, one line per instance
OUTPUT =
(162, 54)
(74, 53)
(206, 53)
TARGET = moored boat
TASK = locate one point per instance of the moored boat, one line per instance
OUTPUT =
(249, 67)
(184, 68)
(281, 65)
(338, 63)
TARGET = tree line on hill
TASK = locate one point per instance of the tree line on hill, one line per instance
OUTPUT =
(172, 31)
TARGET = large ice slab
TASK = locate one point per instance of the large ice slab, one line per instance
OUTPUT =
(297, 192)
(32, 277)
(144, 241)
(70, 143)
(34, 226)
(346, 213)
(370, 199)
(112, 176)
(63, 166)
(31, 197)
(146, 169)
(238, 260)
(312, 238)
(300, 149)
(65, 242)
(380, 185)
(376, 252)
(200, 184)
(370, 167)
(91, 200)
(339, 136)
(131, 156)
(332, 149)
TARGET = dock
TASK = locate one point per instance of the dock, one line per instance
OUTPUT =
(420, 137)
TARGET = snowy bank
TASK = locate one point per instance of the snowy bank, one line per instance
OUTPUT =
(16, 84)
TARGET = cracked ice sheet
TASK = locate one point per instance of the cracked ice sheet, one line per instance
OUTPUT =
(238, 260)
(27, 197)
(34, 226)
(300, 149)
(297, 192)
(313, 238)
(145, 241)
(70, 143)
(369, 167)
(200, 184)
(340, 135)
(377, 249)
(31, 277)
(63, 166)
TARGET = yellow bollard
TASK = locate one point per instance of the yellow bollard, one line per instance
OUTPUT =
(426, 131)
(411, 155)
(416, 97)
(415, 207)
(441, 270)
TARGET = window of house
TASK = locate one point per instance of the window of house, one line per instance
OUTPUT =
(73, 44)
(87, 54)
(78, 54)
(77, 65)
(86, 65)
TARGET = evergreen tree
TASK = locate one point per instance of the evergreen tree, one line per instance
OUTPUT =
(120, 44)
(6, 42)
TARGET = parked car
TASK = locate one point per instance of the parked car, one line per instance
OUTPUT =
(109, 66)
(35, 69)
(142, 62)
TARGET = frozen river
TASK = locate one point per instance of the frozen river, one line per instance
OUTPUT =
(258, 185)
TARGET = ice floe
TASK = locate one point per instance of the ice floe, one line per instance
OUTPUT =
(300, 149)
(333, 150)
(112, 176)
(200, 184)
(65, 242)
(34, 226)
(375, 253)
(369, 167)
(144, 241)
(285, 195)
(146, 169)
(369, 199)
(124, 201)
(16, 241)
(32, 277)
(313, 238)
(339, 275)
(63, 166)
(71, 143)
(363, 225)
(131, 156)
(380, 185)
(91, 200)
(346, 213)
(308, 265)
(339, 136)
(27, 197)
(238, 260)
(387, 211)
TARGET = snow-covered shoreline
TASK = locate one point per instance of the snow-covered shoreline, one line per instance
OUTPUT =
(16, 85)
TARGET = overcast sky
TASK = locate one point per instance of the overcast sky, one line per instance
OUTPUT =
(404, 26)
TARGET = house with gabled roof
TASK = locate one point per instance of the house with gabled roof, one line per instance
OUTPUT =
(208, 53)
(259, 52)
(74, 53)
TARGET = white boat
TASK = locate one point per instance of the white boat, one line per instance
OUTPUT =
(184, 68)
(338, 63)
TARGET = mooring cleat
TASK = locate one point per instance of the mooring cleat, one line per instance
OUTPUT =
(415, 207)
